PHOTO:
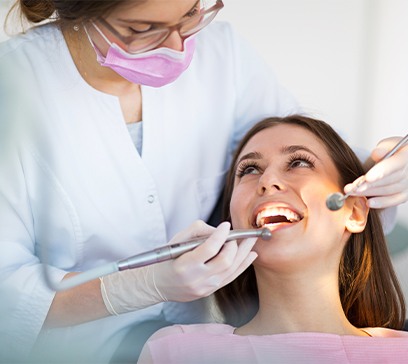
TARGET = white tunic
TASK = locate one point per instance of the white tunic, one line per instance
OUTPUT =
(78, 187)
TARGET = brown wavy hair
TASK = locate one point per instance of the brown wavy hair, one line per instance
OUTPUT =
(66, 13)
(369, 290)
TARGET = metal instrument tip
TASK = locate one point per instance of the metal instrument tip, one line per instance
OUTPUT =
(266, 234)
(335, 201)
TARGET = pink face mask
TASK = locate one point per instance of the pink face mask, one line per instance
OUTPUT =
(155, 68)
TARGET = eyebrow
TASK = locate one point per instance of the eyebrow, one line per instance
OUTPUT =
(290, 149)
(251, 155)
(132, 21)
(287, 149)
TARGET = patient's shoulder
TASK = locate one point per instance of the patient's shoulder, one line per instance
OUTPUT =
(383, 332)
(167, 344)
(214, 329)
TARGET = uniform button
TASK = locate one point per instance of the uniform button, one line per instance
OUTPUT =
(150, 199)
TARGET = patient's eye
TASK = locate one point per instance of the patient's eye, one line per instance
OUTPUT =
(300, 160)
(248, 167)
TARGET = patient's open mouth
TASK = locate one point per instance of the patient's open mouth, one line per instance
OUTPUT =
(276, 215)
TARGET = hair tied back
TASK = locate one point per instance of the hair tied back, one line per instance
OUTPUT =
(37, 11)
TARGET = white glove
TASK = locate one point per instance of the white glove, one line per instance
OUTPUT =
(386, 182)
(193, 275)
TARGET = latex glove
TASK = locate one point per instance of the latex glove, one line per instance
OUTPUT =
(386, 182)
(193, 275)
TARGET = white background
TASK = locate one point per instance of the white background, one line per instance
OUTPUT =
(346, 61)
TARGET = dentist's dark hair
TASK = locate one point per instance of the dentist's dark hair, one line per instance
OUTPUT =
(65, 12)
(369, 290)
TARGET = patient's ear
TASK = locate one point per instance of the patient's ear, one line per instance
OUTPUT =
(357, 219)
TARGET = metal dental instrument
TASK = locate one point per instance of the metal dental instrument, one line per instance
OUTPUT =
(157, 255)
(335, 201)
(173, 251)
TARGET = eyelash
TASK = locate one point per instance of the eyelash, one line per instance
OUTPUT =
(190, 14)
(194, 11)
(300, 157)
(242, 169)
(134, 31)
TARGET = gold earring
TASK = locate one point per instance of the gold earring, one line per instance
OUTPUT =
(76, 27)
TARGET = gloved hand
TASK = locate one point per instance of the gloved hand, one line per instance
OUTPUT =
(386, 182)
(193, 275)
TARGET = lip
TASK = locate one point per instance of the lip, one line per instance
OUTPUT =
(275, 205)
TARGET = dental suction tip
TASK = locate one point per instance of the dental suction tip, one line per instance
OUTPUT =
(266, 234)
(335, 201)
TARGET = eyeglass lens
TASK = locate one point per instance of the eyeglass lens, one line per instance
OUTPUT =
(150, 39)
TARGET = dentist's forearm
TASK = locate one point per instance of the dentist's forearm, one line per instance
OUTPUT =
(77, 305)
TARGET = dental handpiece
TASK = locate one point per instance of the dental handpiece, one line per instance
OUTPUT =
(335, 201)
(157, 255)
(173, 251)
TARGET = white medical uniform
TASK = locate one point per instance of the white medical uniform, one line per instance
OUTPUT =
(75, 184)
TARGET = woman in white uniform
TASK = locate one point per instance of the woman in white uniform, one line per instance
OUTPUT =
(118, 120)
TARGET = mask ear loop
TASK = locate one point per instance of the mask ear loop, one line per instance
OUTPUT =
(100, 57)
(100, 33)
(89, 37)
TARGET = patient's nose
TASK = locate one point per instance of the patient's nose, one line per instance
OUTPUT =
(270, 182)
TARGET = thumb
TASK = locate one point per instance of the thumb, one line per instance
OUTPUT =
(196, 229)
(383, 147)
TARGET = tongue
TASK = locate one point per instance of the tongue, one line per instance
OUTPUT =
(275, 219)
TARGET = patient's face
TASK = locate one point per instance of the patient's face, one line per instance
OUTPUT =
(283, 176)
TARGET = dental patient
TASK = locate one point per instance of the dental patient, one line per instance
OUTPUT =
(323, 289)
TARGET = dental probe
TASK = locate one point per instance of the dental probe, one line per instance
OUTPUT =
(157, 255)
(173, 251)
(335, 201)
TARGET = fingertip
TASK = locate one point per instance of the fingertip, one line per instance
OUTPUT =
(351, 187)
(201, 228)
(252, 256)
(374, 174)
(198, 224)
(348, 187)
(357, 186)
(225, 225)
(224, 228)
(373, 203)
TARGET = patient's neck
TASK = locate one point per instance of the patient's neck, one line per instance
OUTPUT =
(298, 303)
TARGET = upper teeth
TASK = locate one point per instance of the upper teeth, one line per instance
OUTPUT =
(276, 211)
